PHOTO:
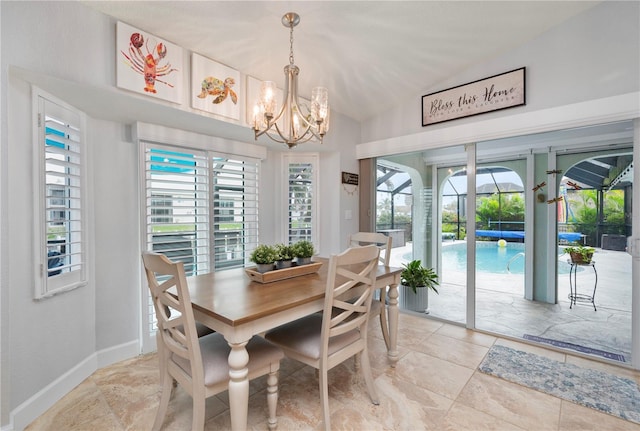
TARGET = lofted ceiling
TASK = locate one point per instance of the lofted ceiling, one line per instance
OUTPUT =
(370, 55)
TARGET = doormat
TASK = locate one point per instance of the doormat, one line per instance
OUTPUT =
(576, 347)
(617, 396)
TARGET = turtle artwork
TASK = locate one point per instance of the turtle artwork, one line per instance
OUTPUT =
(218, 89)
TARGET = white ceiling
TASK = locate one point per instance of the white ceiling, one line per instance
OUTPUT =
(370, 55)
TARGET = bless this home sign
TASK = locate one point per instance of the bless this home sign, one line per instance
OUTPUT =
(490, 94)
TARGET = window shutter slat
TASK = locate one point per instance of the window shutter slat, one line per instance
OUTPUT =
(62, 196)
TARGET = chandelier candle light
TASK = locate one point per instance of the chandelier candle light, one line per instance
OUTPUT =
(298, 125)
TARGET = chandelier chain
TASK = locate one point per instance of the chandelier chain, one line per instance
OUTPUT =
(289, 124)
(291, 44)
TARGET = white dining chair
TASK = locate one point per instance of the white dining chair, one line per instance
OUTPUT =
(379, 304)
(325, 340)
(200, 365)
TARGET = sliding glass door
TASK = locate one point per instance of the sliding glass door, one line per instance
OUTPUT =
(494, 220)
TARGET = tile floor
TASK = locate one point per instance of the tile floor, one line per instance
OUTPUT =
(435, 386)
(502, 309)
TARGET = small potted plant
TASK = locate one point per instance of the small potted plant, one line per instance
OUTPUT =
(264, 257)
(284, 256)
(415, 282)
(303, 251)
(580, 254)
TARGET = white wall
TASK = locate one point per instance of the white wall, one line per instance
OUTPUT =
(591, 56)
(595, 55)
(116, 221)
(69, 50)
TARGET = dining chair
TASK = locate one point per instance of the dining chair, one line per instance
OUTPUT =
(200, 365)
(379, 305)
(325, 340)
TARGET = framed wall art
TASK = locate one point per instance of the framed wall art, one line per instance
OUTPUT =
(502, 91)
(215, 88)
(147, 64)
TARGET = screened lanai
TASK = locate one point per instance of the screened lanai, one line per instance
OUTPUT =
(500, 209)
(393, 203)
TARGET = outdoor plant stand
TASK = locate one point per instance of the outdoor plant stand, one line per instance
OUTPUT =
(574, 296)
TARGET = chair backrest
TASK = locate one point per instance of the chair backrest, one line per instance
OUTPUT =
(350, 283)
(379, 239)
(176, 323)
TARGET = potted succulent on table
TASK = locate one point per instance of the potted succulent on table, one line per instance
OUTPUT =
(264, 256)
(284, 256)
(415, 282)
(303, 251)
(580, 254)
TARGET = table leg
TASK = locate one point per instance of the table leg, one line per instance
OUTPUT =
(393, 325)
(238, 385)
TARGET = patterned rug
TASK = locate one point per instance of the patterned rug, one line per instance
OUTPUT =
(598, 390)
(576, 347)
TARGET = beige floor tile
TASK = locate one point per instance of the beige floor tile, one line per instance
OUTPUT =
(378, 357)
(464, 334)
(84, 404)
(453, 350)
(574, 417)
(103, 423)
(510, 402)
(434, 374)
(463, 418)
(405, 406)
(434, 387)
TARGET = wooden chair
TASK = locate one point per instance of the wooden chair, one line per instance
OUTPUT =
(340, 332)
(200, 365)
(378, 306)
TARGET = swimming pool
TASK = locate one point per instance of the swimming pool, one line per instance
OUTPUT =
(490, 258)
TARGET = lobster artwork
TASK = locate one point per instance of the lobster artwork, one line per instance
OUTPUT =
(147, 65)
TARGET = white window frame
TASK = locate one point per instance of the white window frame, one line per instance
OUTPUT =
(314, 160)
(183, 141)
(74, 268)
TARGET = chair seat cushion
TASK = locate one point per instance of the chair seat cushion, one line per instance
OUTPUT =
(304, 337)
(215, 355)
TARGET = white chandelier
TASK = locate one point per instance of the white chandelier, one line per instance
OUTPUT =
(294, 122)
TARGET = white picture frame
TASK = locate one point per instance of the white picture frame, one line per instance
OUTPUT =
(135, 50)
(215, 88)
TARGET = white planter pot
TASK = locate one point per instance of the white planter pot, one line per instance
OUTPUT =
(418, 301)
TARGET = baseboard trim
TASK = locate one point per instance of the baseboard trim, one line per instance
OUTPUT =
(40, 402)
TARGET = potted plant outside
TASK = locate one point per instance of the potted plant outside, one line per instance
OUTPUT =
(580, 254)
(303, 251)
(415, 282)
(264, 256)
(284, 256)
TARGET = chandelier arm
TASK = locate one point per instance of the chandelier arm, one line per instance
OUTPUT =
(301, 126)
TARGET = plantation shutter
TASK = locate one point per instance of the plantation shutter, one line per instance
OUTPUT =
(235, 209)
(61, 160)
(177, 218)
(177, 211)
(200, 208)
(301, 198)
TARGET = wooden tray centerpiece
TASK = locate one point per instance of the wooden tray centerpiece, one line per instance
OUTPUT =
(282, 274)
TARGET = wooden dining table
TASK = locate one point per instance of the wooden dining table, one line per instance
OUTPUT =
(231, 303)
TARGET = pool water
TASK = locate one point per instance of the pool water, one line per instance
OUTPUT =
(490, 258)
